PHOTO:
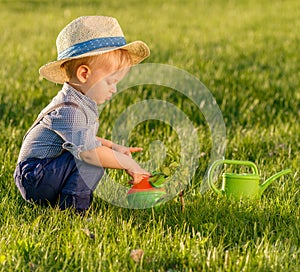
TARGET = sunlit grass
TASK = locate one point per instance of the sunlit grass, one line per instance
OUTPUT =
(247, 54)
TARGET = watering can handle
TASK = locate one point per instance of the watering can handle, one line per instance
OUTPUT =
(218, 162)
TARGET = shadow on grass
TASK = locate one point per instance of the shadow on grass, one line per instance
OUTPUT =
(234, 222)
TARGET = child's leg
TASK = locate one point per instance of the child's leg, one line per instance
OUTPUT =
(78, 189)
(63, 178)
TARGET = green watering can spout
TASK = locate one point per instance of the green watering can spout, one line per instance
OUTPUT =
(265, 185)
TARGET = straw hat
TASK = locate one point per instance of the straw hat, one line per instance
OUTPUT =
(90, 36)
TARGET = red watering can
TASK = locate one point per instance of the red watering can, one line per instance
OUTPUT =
(148, 193)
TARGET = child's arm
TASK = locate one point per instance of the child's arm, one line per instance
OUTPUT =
(122, 149)
(104, 156)
(105, 142)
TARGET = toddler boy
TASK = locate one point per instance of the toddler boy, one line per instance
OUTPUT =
(61, 160)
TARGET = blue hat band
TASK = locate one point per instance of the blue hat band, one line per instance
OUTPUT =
(91, 45)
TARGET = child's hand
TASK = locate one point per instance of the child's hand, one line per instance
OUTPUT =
(126, 150)
(137, 177)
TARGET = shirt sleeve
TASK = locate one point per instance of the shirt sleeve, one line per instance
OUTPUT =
(71, 124)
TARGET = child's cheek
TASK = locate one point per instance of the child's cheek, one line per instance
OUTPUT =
(98, 86)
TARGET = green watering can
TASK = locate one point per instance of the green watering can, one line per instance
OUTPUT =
(241, 185)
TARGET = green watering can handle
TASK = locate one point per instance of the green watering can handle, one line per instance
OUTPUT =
(218, 162)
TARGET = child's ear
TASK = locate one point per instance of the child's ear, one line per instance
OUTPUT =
(82, 73)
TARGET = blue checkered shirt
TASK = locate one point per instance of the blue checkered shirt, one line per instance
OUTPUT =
(65, 128)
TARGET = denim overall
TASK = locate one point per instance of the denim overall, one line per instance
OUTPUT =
(63, 180)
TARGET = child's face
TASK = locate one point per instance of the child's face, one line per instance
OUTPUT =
(103, 83)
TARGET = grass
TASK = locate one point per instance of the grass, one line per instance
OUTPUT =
(246, 53)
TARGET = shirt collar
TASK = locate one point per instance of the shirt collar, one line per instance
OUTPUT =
(80, 96)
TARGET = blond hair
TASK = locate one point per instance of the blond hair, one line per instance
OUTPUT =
(118, 58)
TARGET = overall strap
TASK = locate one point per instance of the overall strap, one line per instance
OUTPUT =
(50, 110)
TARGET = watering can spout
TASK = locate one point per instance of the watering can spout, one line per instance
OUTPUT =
(265, 185)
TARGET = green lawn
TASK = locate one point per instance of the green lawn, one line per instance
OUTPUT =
(247, 54)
